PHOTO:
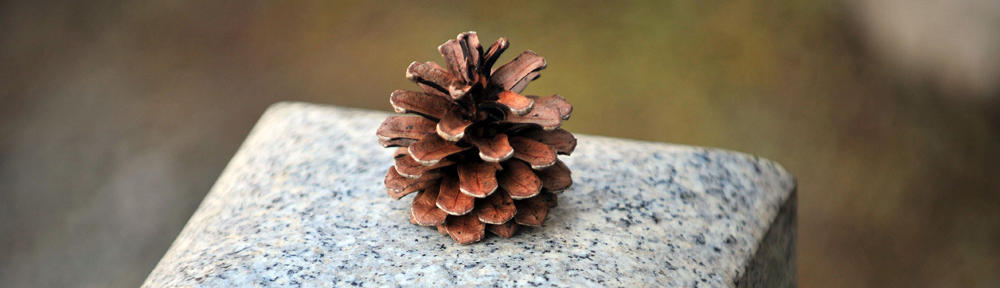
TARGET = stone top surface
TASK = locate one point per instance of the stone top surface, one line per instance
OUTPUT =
(302, 203)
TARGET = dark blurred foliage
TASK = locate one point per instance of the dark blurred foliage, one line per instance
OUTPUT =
(116, 118)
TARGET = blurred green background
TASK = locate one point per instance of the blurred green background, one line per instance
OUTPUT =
(116, 118)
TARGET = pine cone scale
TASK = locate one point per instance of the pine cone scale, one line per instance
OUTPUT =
(491, 55)
(494, 149)
(430, 90)
(473, 52)
(424, 211)
(452, 200)
(519, 68)
(403, 130)
(497, 209)
(453, 53)
(560, 104)
(519, 181)
(560, 140)
(465, 229)
(535, 153)
(556, 178)
(409, 168)
(452, 126)
(505, 230)
(531, 211)
(431, 149)
(517, 103)
(430, 74)
(427, 105)
(544, 113)
(477, 179)
(399, 186)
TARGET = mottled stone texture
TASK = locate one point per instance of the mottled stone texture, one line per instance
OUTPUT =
(302, 203)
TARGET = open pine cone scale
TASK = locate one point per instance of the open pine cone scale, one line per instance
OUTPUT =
(480, 156)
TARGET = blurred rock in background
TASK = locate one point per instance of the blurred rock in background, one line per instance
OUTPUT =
(116, 117)
(950, 44)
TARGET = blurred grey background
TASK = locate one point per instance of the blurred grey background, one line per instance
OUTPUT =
(116, 117)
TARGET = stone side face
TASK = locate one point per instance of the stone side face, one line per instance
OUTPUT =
(774, 263)
(302, 203)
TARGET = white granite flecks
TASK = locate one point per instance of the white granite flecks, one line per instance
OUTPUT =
(302, 204)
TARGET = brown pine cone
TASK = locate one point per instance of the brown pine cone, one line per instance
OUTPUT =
(479, 155)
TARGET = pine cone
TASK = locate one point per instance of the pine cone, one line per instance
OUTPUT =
(479, 155)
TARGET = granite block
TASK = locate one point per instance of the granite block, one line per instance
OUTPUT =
(302, 204)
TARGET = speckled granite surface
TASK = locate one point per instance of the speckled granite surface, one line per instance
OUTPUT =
(302, 204)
